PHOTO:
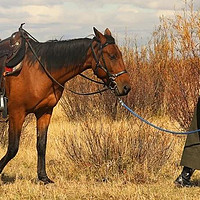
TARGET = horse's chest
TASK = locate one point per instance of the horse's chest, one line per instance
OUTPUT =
(49, 101)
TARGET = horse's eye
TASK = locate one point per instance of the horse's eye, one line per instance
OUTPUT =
(113, 57)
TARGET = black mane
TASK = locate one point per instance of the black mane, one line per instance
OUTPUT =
(55, 54)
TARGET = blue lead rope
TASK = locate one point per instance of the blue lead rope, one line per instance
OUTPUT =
(154, 126)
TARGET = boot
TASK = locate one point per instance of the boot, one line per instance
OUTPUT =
(183, 180)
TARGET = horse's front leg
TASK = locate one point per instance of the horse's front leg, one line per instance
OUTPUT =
(43, 120)
(16, 120)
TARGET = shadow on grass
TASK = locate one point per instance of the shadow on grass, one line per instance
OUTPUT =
(196, 183)
(6, 179)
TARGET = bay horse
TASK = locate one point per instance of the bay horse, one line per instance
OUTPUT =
(32, 90)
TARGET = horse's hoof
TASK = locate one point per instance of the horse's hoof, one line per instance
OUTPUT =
(46, 180)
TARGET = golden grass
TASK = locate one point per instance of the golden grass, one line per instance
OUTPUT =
(19, 177)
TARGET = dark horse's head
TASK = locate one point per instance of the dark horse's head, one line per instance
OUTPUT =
(108, 64)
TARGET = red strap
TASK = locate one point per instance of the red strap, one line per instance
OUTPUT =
(7, 69)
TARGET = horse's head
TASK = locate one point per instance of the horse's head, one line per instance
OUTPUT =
(108, 64)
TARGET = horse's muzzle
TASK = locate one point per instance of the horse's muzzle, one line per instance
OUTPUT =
(122, 91)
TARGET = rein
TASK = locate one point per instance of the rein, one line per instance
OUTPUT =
(46, 71)
(111, 83)
(25, 34)
(153, 125)
(62, 86)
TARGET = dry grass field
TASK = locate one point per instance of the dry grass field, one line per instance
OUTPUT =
(97, 150)
(126, 160)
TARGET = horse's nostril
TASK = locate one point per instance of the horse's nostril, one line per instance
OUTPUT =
(127, 88)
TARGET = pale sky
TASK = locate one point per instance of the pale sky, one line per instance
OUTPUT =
(51, 19)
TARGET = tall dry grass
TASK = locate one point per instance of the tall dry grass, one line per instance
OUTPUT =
(120, 150)
(165, 82)
(164, 74)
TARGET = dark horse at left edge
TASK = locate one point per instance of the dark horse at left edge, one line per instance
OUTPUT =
(31, 90)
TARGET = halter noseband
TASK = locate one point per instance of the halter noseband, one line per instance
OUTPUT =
(111, 77)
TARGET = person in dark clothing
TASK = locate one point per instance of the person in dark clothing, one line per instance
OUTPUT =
(191, 153)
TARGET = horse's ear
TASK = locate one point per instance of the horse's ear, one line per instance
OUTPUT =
(99, 35)
(107, 32)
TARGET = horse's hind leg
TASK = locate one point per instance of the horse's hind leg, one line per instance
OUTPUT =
(16, 120)
(43, 119)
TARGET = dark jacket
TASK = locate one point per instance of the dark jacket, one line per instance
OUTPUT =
(191, 153)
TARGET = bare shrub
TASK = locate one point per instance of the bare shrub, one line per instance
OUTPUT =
(106, 151)
(182, 94)
(164, 74)
(182, 88)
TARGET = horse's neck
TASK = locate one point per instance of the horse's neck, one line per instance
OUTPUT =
(69, 74)
(64, 59)
(74, 69)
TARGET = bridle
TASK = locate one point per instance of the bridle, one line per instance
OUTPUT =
(111, 84)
